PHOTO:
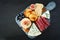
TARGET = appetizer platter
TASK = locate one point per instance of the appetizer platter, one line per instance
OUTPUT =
(34, 19)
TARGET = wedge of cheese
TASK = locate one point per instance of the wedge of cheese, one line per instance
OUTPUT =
(46, 14)
(34, 31)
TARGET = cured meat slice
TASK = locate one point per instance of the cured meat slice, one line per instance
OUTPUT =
(39, 24)
(45, 21)
(45, 25)
(42, 23)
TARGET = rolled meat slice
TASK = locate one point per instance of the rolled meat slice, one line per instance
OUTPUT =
(39, 24)
(45, 26)
(42, 23)
(45, 21)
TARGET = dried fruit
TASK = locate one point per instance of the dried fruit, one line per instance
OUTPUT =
(33, 17)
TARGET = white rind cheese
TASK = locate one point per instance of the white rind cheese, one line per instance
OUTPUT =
(46, 14)
(34, 31)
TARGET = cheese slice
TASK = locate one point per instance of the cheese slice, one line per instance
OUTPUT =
(38, 8)
(34, 31)
(46, 14)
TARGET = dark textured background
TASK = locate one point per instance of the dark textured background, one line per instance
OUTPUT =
(9, 30)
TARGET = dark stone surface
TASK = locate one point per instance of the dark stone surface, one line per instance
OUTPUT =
(9, 30)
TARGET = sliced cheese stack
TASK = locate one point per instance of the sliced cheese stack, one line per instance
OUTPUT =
(38, 8)
(34, 31)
